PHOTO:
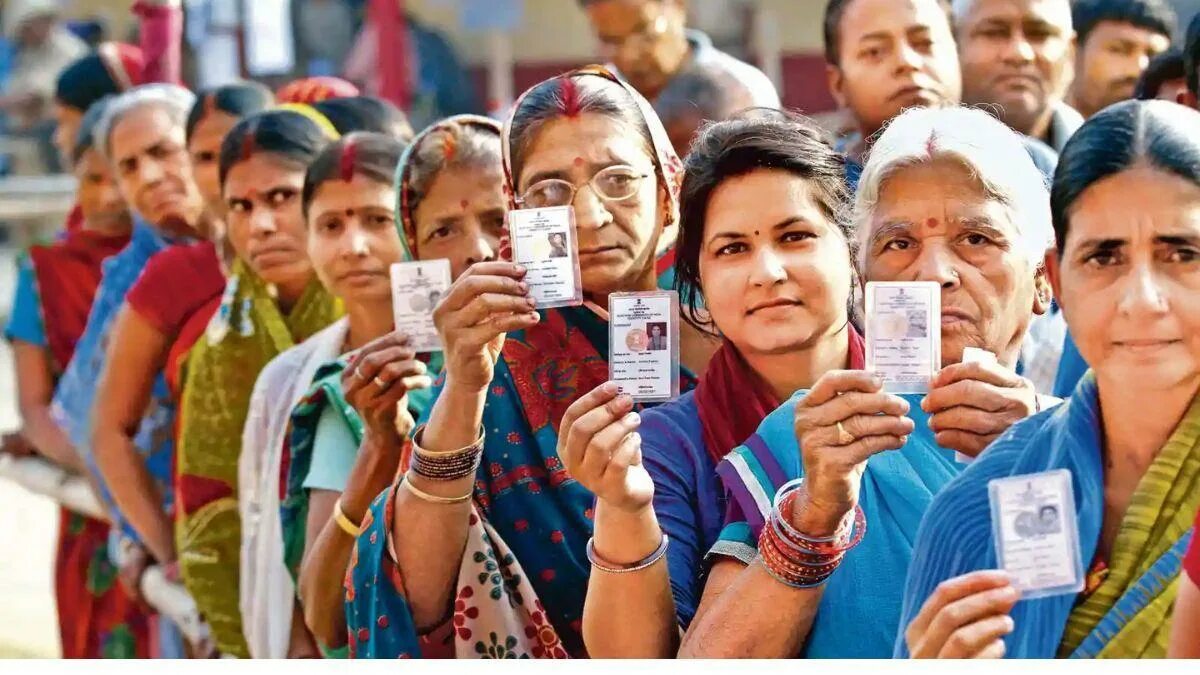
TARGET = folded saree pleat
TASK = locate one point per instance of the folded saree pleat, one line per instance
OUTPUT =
(246, 333)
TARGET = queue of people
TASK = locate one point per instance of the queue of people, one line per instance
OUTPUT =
(212, 344)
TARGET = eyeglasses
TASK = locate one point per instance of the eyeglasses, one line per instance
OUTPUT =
(613, 184)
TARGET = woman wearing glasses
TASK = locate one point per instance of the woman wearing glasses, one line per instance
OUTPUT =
(486, 527)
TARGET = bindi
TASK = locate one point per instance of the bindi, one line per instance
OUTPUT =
(465, 203)
(578, 161)
(931, 224)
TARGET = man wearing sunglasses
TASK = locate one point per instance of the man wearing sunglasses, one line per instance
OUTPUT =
(649, 44)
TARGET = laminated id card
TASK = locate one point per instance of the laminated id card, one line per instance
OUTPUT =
(904, 334)
(417, 288)
(1036, 537)
(543, 241)
(644, 344)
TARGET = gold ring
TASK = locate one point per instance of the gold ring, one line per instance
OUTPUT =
(845, 437)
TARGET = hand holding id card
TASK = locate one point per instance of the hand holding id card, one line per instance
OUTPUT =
(904, 334)
(1036, 536)
(644, 344)
(543, 241)
(417, 288)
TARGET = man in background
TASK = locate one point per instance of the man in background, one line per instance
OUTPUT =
(701, 93)
(883, 56)
(1116, 40)
(1018, 61)
(1191, 64)
(649, 43)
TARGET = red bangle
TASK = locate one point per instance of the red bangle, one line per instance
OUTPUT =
(842, 541)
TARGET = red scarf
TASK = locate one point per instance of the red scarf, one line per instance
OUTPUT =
(68, 274)
(733, 400)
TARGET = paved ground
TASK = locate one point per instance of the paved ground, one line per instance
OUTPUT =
(28, 527)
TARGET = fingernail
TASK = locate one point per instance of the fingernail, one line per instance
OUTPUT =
(523, 287)
(625, 401)
(609, 388)
(520, 269)
(904, 440)
(1009, 626)
(531, 302)
(925, 404)
(633, 418)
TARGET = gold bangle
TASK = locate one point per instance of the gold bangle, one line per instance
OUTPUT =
(347, 525)
(432, 499)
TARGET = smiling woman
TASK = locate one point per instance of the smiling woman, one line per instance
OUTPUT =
(777, 586)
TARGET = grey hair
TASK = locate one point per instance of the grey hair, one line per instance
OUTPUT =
(176, 101)
(959, 9)
(993, 153)
(453, 145)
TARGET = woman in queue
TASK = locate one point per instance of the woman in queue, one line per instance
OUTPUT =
(449, 203)
(271, 301)
(486, 489)
(1127, 274)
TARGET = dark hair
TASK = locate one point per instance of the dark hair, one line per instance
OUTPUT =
(1191, 55)
(84, 82)
(1153, 15)
(1163, 68)
(571, 95)
(85, 137)
(238, 99)
(1162, 134)
(758, 139)
(285, 133)
(362, 153)
(366, 113)
(704, 90)
(832, 28)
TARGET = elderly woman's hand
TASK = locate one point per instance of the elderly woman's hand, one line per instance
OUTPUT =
(487, 301)
(844, 420)
(971, 404)
(965, 618)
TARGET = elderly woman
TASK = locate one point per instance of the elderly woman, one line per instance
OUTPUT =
(485, 519)
(1127, 274)
(948, 196)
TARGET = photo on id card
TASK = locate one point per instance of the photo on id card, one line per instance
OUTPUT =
(1035, 533)
(417, 288)
(543, 241)
(644, 344)
(904, 334)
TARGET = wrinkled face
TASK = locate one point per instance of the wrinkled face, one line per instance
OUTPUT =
(935, 222)
(894, 54)
(204, 147)
(1017, 55)
(99, 198)
(148, 154)
(1111, 61)
(264, 221)
(66, 129)
(617, 239)
(461, 217)
(774, 268)
(642, 38)
(353, 239)
(1129, 279)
